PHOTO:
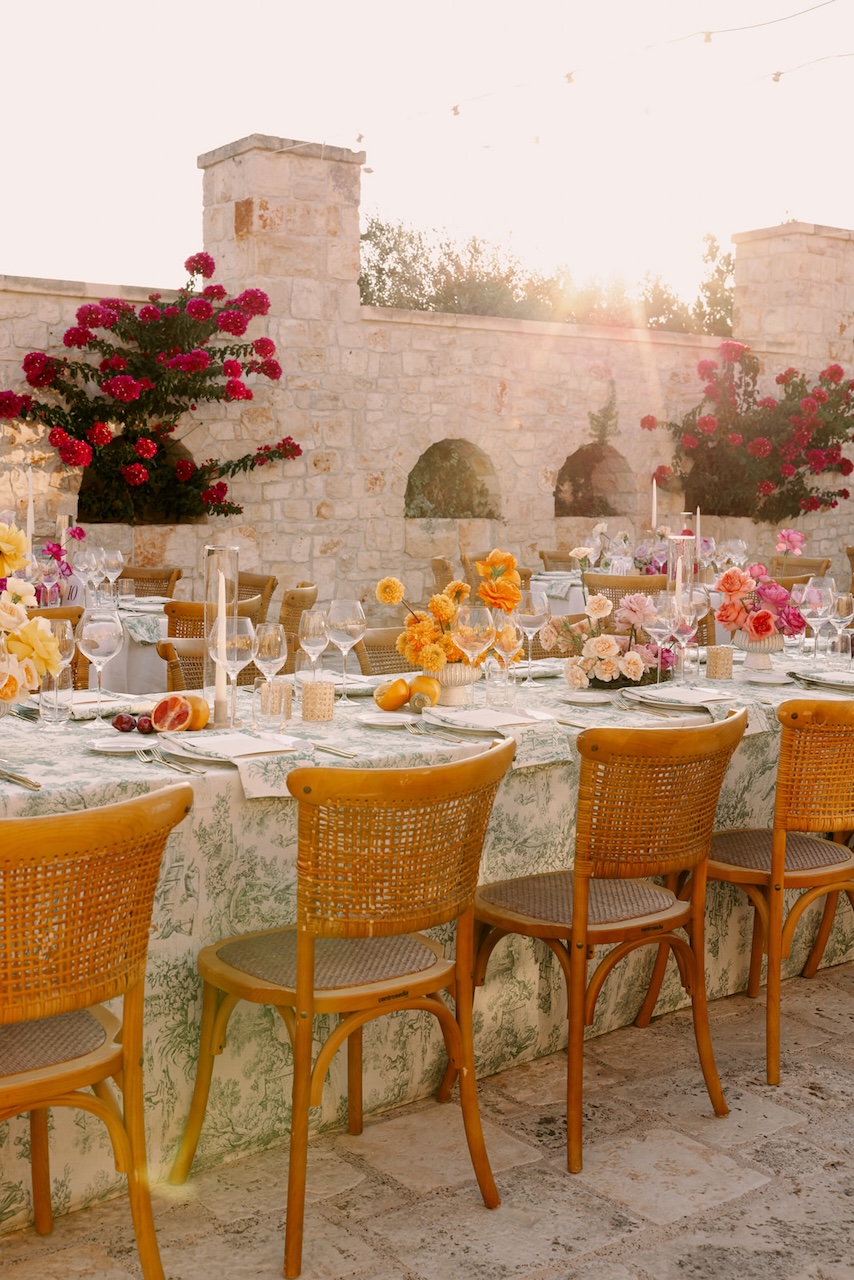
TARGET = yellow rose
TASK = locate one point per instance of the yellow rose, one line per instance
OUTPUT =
(13, 549)
(36, 641)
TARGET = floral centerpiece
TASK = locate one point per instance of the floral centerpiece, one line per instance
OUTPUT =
(114, 414)
(426, 639)
(608, 659)
(27, 646)
(756, 609)
(739, 452)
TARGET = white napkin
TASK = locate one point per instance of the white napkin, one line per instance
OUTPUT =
(231, 746)
(485, 718)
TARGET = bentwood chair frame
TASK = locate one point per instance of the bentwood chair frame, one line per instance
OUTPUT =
(378, 654)
(257, 584)
(153, 580)
(70, 613)
(383, 854)
(557, 561)
(83, 884)
(185, 662)
(815, 793)
(632, 823)
(786, 566)
(616, 585)
(443, 572)
(295, 601)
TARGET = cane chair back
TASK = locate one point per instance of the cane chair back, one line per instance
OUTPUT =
(186, 618)
(378, 654)
(294, 602)
(633, 823)
(185, 663)
(812, 566)
(616, 585)
(153, 580)
(814, 793)
(86, 881)
(70, 613)
(381, 853)
(443, 572)
(555, 561)
(257, 584)
(849, 551)
(798, 578)
(470, 573)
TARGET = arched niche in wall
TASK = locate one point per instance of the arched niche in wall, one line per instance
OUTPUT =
(596, 480)
(453, 479)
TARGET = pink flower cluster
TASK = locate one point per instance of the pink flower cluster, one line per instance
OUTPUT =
(757, 605)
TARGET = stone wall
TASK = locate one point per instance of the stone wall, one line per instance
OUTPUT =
(366, 391)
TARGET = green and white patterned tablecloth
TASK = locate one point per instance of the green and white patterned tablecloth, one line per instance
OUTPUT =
(230, 866)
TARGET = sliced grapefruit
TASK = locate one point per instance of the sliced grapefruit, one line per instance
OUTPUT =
(172, 714)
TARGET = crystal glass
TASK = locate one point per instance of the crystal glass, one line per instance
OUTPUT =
(313, 636)
(841, 614)
(693, 606)
(662, 625)
(61, 630)
(46, 572)
(817, 605)
(231, 646)
(473, 631)
(345, 626)
(706, 551)
(99, 638)
(271, 648)
(795, 644)
(509, 638)
(532, 612)
(114, 562)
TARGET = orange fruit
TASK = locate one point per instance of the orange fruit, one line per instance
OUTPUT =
(200, 709)
(172, 714)
(392, 695)
(424, 690)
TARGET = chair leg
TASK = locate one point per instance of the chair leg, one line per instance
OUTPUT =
(825, 925)
(354, 1081)
(134, 1123)
(468, 1081)
(40, 1171)
(298, 1161)
(575, 1055)
(703, 1037)
(201, 1089)
(775, 963)
(653, 990)
(757, 950)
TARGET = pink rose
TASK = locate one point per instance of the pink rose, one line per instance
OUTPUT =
(760, 625)
(732, 615)
(735, 583)
(773, 595)
(757, 571)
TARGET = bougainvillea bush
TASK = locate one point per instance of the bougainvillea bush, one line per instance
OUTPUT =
(115, 413)
(739, 453)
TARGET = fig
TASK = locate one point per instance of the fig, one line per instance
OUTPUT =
(144, 724)
(123, 722)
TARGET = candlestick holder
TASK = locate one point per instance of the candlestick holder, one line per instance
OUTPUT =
(680, 562)
(220, 577)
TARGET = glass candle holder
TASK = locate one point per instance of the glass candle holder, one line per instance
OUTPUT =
(220, 578)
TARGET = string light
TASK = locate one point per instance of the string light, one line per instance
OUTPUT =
(828, 57)
(753, 26)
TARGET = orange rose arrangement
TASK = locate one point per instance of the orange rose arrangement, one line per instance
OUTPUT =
(755, 604)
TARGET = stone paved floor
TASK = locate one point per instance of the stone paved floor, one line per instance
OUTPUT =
(668, 1191)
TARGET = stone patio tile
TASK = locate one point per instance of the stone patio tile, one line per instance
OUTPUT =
(663, 1175)
(546, 1221)
(427, 1149)
(544, 1080)
(77, 1262)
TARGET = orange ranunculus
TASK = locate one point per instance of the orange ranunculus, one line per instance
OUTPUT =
(732, 615)
(499, 565)
(735, 583)
(760, 625)
(500, 593)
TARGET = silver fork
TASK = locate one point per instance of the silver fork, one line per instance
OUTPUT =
(175, 764)
(147, 757)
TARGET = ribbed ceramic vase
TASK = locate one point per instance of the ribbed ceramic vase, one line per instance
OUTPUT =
(454, 679)
(758, 651)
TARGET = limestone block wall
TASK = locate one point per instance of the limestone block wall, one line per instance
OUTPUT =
(366, 391)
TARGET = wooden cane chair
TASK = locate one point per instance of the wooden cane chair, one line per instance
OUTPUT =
(633, 823)
(443, 572)
(382, 853)
(849, 551)
(71, 613)
(555, 561)
(378, 655)
(294, 602)
(617, 585)
(815, 792)
(76, 894)
(812, 566)
(185, 663)
(470, 573)
(187, 617)
(153, 580)
(257, 584)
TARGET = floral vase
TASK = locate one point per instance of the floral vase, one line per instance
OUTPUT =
(758, 651)
(455, 677)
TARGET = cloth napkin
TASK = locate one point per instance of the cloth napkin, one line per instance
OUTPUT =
(145, 628)
(539, 737)
(85, 704)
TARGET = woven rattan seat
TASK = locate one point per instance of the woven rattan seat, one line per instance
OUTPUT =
(632, 824)
(47, 1041)
(83, 885)
(338, 962)
(383, 853)
(549, 897)
(814, 793)
(185, 663)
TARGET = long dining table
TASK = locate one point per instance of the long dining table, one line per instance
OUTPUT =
(231, 866)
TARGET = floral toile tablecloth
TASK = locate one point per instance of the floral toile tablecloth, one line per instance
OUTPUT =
(230, 866)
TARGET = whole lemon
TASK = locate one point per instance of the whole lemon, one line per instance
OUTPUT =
(392, 695)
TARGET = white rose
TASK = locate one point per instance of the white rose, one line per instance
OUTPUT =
(607, 669)
(598, 607)
(12, 615)
(602, 646)
(582, 553)
(631, 665)
(21, 591)
(576, 676)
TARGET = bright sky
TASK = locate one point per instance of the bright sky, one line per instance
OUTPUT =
(660, 138)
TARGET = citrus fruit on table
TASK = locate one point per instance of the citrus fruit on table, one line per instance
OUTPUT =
(425, 690)
(392, 695)
(179, 711)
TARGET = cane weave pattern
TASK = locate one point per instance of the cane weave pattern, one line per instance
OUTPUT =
(549, 898)
(338, 962)
(815, 775)
(751, 850)
(47, 1042)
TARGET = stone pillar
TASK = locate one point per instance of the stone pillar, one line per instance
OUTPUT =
(794, 291)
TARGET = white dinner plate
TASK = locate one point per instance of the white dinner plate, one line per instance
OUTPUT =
(588, 695)
(768, 677)
(388, 719)
(123, 744)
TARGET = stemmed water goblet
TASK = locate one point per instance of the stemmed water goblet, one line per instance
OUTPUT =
(841, 614)
(313, 635)
(270, 650)
(693, 606)
(230, 643)
(473, 631)
(345, 626)
(817, 605)
(46, 572)
(113, 564)
(99, 638)
(532, 612)
(662, 623)
(63, 635)
(509, 639)
(706, 551)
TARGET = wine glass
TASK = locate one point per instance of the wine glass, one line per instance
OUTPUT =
(345, 626)
(473, 631)
(694, 607)
(817, 605)
(270, 650)
(61, 630)
(841, 613)
(99, 638)
(313, 636)
(508, 643)
(531, 612)
(230, 644)
(661, 625)
(706, 551)
(113, 564)
(46, 571)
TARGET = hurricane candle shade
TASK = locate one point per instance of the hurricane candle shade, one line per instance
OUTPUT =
(221, 565)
